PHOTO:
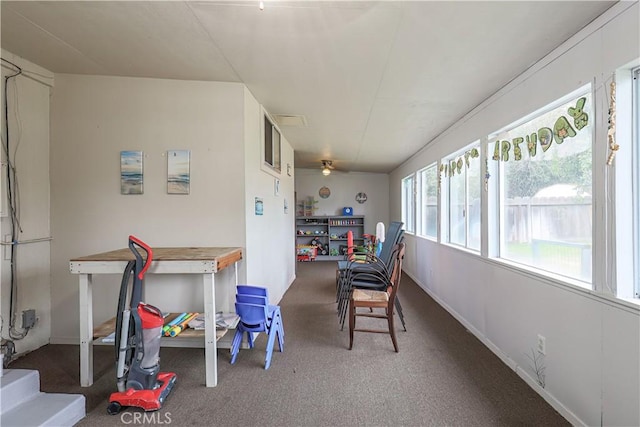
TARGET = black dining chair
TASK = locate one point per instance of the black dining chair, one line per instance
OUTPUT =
(393, 236)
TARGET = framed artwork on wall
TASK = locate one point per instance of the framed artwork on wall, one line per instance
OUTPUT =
(178, 172)
(131, 172)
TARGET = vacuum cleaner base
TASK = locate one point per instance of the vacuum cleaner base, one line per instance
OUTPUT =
(149, 400)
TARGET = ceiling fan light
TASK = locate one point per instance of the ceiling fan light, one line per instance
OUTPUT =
(326, 171)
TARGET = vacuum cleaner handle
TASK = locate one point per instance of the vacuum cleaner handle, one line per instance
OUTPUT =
(133, 241)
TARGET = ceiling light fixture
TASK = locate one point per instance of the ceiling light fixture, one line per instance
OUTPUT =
(326, 167)
(261, 5)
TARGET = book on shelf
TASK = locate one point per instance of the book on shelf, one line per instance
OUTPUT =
(110, 338)
(197, 322)
(226, 320)
(223, 321)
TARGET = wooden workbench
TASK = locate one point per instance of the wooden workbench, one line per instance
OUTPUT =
(205, 261)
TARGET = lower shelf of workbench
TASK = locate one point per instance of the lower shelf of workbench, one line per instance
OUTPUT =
(187, 338)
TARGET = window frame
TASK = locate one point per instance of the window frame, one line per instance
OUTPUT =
(445, 197)
(409, 223)
(421, 202)
(498, 188)
(271, 145)
(635, 150)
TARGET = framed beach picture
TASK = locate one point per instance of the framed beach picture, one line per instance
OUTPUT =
(178, 171)
(131, 172)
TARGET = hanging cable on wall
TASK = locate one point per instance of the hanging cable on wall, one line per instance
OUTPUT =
(13, 207)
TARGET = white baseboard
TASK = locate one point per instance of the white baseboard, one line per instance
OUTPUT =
(65, 340)
(549, 398)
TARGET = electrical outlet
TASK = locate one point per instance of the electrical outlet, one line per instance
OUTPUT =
(542, 344)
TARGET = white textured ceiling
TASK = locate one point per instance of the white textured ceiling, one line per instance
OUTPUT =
(376, 81)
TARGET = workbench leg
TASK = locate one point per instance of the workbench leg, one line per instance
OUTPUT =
(210, 345)
(86, 331)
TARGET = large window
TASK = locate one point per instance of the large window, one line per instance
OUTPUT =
(545, 215)
(428, 203)
(408, 206)
(462, 197)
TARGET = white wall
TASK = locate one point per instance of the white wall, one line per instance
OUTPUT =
(344, 187)
(29, 140)
(93, 118)
(593, 342)
(270, 248)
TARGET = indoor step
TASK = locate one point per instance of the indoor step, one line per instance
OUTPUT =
(46, 409)
(17, 386)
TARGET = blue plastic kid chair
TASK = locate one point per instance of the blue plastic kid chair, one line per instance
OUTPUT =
(274, 310)
(254, 318)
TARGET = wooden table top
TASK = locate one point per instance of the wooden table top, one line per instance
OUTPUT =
(222, 257)
(164, 254)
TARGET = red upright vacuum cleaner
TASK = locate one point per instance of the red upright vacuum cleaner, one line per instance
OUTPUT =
(137, 342)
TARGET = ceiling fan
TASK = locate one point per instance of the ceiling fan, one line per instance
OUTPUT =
(327, 167)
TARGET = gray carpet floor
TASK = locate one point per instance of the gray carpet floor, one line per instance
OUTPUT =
(442, 375)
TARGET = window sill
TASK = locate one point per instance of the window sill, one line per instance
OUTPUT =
(631, 305)
(431, 238)
(571, 285)
(632, 302)
(545, 274)
(462, 249)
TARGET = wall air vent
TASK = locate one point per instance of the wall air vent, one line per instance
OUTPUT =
(290, 120)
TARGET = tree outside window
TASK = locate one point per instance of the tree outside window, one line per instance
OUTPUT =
(545, 198)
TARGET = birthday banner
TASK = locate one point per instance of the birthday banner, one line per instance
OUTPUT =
(560, 131)
(505, 150)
